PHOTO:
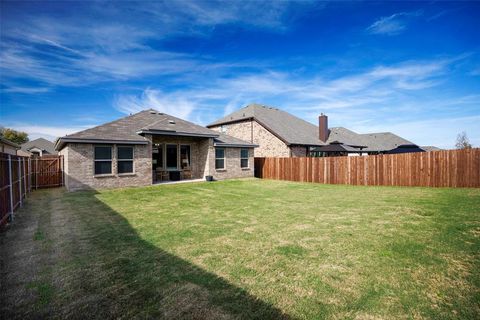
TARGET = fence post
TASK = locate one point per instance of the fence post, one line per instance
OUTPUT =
(11, 186)
(36, 173)
(24, 177)
(20, 182)
(30, 174)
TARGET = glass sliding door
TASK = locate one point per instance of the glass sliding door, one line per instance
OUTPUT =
(172, 156)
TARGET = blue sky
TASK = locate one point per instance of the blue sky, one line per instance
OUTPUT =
(412, 68)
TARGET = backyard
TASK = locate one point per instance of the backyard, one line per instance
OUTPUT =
(244, 249)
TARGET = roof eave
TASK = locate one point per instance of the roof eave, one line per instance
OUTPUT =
(175, 133)
(234, 145)
(215, 124)
(60, 143)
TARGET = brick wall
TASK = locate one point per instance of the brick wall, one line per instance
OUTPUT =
(79, 168)
(252, 131)
(232, 165)
(298, 151)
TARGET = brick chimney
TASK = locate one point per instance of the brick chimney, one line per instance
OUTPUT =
(323, 127)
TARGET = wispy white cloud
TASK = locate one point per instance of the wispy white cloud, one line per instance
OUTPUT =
(78, 50)
(26, 90)
(394, 24)
(173, 104)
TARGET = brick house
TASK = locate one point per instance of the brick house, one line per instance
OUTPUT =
(148, 147)
(38, 147)
(8, 147)
(281, 134)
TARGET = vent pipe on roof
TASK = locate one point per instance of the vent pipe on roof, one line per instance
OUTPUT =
(323, 127)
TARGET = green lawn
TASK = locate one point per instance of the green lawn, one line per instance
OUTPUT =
(244, 249)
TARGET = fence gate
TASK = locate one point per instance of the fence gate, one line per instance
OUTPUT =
(47, 171)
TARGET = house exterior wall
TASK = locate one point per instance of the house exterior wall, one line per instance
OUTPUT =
(232, 164)
(79, 168)
(250, 130)
(79, 164)
(5, 148)
(298, 151)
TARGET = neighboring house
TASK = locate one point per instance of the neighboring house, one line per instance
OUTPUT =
(430, 148)
(277, 133)
(8, 147)
(38, 147)
(281, 134)
(149, 146)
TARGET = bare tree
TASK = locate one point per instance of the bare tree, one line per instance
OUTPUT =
(462, 141)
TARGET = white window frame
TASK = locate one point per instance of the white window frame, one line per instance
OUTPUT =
(224, 158)
(103, 160)
(120, 160)
(247, 158)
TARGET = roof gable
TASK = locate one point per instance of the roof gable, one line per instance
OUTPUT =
(289, 128)
(41, 144)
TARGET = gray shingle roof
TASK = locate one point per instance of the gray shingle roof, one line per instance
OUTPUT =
(345, 136)
(430, 148)
(40, 143)
(383, 141)
(286, 126)
(294, 130)
(130, 128)
(226, 140)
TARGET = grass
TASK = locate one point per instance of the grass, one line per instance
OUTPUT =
(245, 249)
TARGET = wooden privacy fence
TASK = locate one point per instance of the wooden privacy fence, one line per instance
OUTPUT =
(446, 168)
(19, 175)
(47, 171)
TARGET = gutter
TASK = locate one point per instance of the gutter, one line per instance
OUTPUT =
(175, 133)
(230, 145)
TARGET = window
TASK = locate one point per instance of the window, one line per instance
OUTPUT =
(223, 128)
(243, 158)
(103, 159)
(124, 159)
(185, 156)
(219, 158)
(172, 156)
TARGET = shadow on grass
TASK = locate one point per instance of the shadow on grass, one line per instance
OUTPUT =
(106, 270)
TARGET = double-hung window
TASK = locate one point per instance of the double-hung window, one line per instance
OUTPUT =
(124, 159)
(243, 158)
(103, 159)
(219, 158)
